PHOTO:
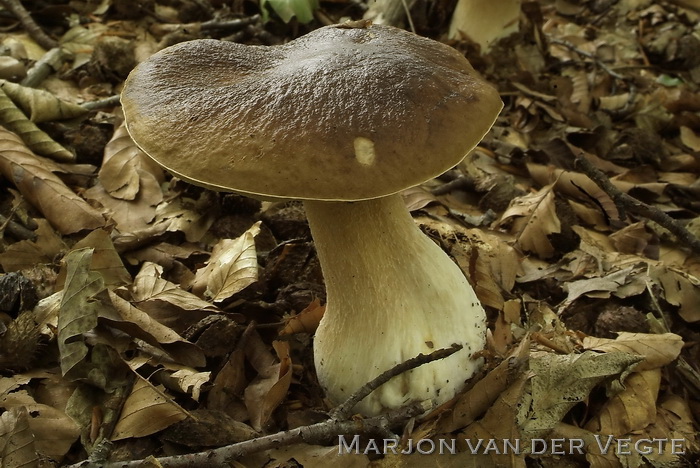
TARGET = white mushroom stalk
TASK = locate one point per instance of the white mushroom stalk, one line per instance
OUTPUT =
(392, 294)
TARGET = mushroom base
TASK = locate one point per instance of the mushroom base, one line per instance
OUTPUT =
(392, 294)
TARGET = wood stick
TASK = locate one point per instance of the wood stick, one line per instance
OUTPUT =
(637, 207)
(33, 29)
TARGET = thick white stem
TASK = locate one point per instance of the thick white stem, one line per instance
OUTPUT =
(392, 294)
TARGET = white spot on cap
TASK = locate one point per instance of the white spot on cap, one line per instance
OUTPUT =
(364, 151)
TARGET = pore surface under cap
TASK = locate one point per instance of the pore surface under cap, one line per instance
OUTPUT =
(338, 114)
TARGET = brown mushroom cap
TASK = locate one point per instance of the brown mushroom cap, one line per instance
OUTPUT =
(341, 113)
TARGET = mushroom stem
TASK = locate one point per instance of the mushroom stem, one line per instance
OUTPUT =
(392, 294)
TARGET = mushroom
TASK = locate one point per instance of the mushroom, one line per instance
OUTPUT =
(343, 118)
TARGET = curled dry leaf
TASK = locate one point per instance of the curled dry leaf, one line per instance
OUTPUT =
(575, 185)
(601, 286)
(105, 259)
(165, 301)
(532, 218)
(40, 105)
(630, 410)
(497, 424)
(475, 402)
(658, 350)
(680, 289)
(146, 411)
(34, 178)
(185, 215)
(233, 266)
(305, 321)
(139, 324)
(266, 391)
(35, 138)
(125, 168)
(132, 217)
(190, 381)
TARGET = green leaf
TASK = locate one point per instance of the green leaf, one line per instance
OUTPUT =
(287, 9)
(79, 307)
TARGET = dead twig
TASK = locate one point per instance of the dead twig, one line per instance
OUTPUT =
(111, 101)
(49, 63)
(625, 202)
(33, 29)
(313, 434)
(460, 183)
(344, 410)
(15, 229)
(588, 55)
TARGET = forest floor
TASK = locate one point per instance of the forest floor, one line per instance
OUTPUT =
(127, 335)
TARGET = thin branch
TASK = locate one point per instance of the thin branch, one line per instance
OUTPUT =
(631, 204)
(588, 55)
(460, 183)
(313, 434)
(33, 29)
(344, 410)
(50, 62)
(15, 229)
(111, 101)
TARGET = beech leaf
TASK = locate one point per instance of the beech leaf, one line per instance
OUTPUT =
(17, 440)
(79, 309)
(40, 105)
(34, 178)
(533, 217)
(147, 410)
(561, 381)
(657, 350)
(35, 138)
(125, 166)
(232, 267)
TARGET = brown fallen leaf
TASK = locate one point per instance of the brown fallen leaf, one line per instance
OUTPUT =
(40, 105)
(497, 425)
(227, 392)
(139, 324)
(475, 402)
(531, 218)
(305, 321)
(34, 178)
(146, 411)
(54, 431)
(266, 391)
(166, 302)
(125, 167)
(233, 266)
(105, 259)
(630, 410)
(14, 119)
(657, 349)
(680, 289)
(17, 442)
